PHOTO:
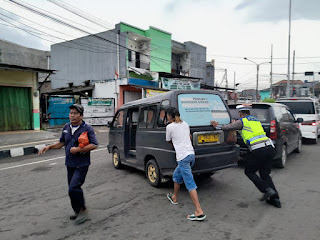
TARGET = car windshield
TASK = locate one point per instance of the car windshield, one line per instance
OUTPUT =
(200, 109)
(300, 107)
(263, 114)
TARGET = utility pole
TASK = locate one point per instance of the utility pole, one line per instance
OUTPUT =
(289, 38)
(258, 65)
(234, 86)
(293, 61)
(226, 74)
(271, 95)
(257, 91)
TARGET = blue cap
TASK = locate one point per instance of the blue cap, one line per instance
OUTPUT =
(243, 107)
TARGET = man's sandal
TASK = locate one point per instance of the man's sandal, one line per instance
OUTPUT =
(193, 217)
(169, 196)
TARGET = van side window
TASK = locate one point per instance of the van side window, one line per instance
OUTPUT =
(162, 119)
(277, 113)
(118, 121)
(151, 116)
(290, 116)
(284, 115)
(147, 116)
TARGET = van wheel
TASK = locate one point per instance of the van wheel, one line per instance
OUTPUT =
(284, 155)
(153, 173)
(298, 149)
(116, 158)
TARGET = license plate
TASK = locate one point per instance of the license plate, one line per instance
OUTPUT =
(208, 138)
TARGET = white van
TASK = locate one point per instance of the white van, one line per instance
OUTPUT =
(308, 109)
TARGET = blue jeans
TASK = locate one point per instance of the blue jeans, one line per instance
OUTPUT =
(183, 172)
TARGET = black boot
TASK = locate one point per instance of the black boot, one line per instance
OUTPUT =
(268, 194)
(274, 202)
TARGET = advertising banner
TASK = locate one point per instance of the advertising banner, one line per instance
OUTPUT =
(180, 84)
(151, 93)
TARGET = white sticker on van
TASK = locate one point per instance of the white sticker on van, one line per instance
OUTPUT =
(200, 109)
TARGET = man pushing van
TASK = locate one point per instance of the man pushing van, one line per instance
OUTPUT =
(260, 156)
(178, 133)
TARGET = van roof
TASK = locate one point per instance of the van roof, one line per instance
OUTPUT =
(295, 99)
(255, 104)
(167, 95)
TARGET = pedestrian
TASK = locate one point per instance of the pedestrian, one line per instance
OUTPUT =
(77, 158)
(178, 133)
(261, 153)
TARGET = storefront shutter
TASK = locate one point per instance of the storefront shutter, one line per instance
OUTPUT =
(15, 108)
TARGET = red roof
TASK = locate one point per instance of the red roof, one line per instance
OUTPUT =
(291, 82)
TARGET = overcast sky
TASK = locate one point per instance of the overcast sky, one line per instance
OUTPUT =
(230, 29)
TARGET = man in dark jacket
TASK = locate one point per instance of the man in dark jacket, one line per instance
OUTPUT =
(77, 158)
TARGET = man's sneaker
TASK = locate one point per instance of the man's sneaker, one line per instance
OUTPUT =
(82, 217)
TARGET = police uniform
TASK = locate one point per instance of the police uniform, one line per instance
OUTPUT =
(260, 155)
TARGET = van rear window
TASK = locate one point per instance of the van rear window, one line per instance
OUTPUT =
(300, 107)
(263, 114)
(200, 109)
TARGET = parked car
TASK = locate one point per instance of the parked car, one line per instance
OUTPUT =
(280, 126)
(137, 136)
(308, 109)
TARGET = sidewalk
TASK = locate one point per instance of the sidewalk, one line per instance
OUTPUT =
(19, 143)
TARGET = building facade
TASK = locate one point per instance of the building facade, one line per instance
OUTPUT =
(125, 62)
(21, 69)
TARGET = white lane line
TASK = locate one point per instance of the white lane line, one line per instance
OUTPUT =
(42, 161)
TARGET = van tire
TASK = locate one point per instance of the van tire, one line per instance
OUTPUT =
(153, 173)
(283, 159)
(315, 141)
(116, 159)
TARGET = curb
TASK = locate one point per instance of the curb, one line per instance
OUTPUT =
(20, 151)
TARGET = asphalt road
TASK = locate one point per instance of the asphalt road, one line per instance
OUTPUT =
(34, 202)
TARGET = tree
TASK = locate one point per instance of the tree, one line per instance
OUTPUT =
(269, 100)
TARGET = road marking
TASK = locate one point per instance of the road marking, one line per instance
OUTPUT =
(42, 161)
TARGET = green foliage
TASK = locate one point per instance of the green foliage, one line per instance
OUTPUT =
(269, 100)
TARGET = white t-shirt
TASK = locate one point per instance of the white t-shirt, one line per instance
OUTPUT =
(179, 134)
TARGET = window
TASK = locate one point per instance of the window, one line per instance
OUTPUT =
(277, 113)
(147, 116)
(129, 55)
(299, 107)
(284, 115)
(118, 120)
(162, 119)
(290, 116)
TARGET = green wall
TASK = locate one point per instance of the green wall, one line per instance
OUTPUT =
(160, 50)
(160, 55)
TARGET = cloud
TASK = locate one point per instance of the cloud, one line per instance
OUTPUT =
(172, 6)
(275, 10)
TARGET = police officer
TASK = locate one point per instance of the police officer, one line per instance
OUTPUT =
(261, 153)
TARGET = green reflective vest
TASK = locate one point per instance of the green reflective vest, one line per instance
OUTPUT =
(252, 131)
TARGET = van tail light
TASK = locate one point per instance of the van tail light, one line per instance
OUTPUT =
(312, 122)
(273, 130)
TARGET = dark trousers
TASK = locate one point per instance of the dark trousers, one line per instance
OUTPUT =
(261, 160)
(76, 178)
